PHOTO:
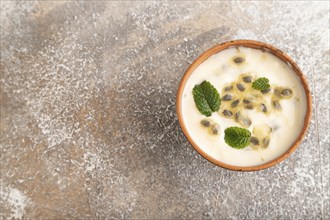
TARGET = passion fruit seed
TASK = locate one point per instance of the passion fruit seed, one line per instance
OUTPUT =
(227, 97)
(286, 92)
(265, 91)
(247, 79)
(276, 127)
(249, 106)
(246, 122)
(228, 88)
(276, 104)
(263, 107)
(227, 113)
(205, 122)
(239, 60)
(246, 101)
(237, 116)
(215, 128)
(265, 142)
(235, 103)
(254, 141)
(240, 87)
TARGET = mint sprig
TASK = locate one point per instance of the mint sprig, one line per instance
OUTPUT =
(237, 137)
(261, 84)
(207, 98)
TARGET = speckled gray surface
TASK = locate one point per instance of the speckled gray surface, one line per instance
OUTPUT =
(88, 123)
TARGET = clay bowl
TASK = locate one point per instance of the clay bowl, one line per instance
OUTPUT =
(256, 45)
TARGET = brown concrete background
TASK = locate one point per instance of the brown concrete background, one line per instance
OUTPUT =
(88, 123)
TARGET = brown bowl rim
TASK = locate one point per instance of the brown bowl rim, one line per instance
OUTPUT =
(257, 45)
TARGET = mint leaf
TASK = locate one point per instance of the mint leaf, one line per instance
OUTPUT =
(261, 84)
(207, 98)
(237, 137)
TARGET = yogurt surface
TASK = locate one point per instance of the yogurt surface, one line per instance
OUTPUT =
(219, 70)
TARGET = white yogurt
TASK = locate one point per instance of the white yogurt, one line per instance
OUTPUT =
(218, 70)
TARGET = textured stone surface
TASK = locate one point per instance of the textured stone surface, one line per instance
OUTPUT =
(88, 123)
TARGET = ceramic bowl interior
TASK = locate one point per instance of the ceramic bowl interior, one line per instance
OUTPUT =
(255, 45)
